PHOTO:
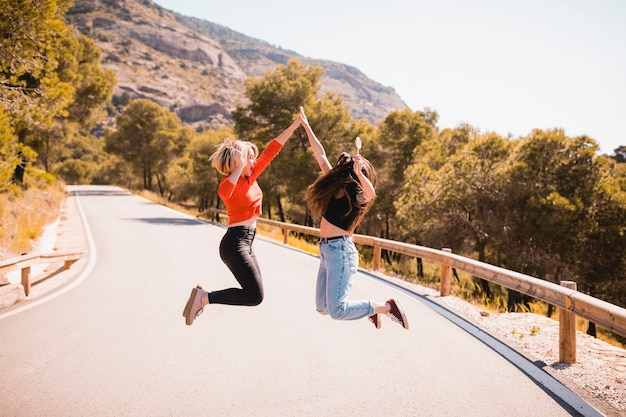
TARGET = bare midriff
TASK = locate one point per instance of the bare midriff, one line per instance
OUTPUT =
(251, 222)
(328, 229)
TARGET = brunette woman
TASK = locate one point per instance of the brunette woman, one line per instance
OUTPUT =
(339, 199)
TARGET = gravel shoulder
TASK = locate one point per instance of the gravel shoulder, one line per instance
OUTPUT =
(599, 374)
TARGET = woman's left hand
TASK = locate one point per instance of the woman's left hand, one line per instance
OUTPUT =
(358, 165)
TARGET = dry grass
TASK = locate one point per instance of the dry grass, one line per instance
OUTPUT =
(24, 213)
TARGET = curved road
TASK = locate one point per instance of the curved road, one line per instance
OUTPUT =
(114, 343)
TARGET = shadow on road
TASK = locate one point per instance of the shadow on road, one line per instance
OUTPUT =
(168, 221)
(101, 193)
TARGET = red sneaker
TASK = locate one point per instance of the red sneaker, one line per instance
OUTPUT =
(374, 318)
(397, 314)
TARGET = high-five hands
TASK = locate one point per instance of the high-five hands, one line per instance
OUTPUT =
(302, 117)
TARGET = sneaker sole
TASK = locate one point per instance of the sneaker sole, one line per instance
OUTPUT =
(186, 312)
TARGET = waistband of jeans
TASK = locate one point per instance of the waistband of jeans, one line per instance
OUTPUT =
(243, 229)
(330, 239)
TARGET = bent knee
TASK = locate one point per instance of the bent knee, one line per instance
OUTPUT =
(338, 313)
(256, 300)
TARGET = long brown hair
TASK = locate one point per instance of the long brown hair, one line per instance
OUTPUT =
(334, 183)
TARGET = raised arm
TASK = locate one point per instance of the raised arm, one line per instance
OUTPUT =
(316, 145)
(368, 188)
(283, 137)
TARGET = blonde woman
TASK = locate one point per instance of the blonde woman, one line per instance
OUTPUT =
(240, 164)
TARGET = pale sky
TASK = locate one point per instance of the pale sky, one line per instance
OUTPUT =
(505, 66)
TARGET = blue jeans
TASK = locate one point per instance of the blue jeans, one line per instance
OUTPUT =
(339, 260)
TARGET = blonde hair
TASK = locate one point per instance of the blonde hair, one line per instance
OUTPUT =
(222, 159)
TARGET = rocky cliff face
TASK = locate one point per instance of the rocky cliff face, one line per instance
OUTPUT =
(197, 68)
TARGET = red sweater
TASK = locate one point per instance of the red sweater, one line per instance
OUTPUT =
(243, 200)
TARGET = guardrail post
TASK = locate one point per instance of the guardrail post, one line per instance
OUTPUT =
(567, 329)
(445, 277)
(26, 280)
(285, 236)
(377, 253)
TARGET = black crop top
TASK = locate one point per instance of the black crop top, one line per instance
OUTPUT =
(338, 210)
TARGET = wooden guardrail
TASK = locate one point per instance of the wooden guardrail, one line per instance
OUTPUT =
(25, 262)
(565, 296)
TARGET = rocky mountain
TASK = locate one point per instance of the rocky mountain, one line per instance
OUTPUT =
(197, 68)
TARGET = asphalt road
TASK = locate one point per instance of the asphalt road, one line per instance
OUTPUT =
(113, 342)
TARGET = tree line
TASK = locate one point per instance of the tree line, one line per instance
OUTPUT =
(546, 204)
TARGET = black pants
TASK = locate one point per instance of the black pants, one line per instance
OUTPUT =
(236, 252)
